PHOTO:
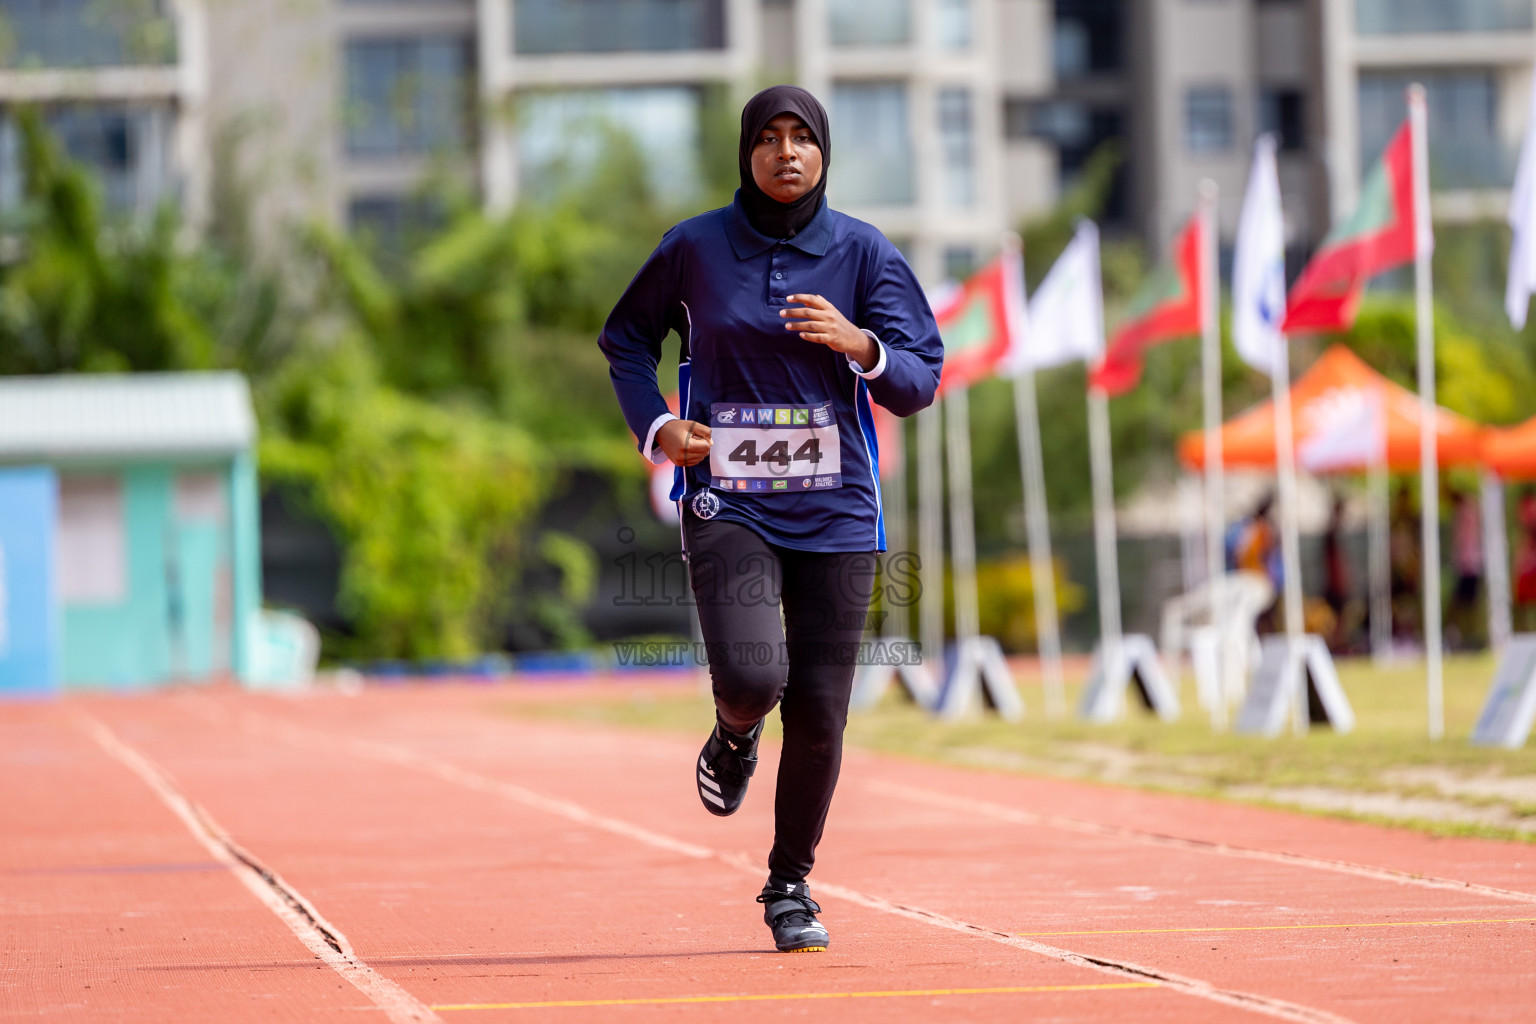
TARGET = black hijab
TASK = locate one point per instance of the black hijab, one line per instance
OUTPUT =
(768, 215)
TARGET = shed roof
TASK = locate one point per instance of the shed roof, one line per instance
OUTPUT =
(140, 415)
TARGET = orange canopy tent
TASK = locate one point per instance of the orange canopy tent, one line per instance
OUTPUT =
(1338, 410)
(1511, 453)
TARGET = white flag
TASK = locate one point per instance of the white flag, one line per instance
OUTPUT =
(1522, 217)
(1066, 315)
(1258, 267)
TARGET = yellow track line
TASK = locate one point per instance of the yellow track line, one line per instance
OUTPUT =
(1293, 927)
(798, 995)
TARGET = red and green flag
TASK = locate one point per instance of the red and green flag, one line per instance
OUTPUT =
(1167, 307)
(981, 321)
(1378, 236)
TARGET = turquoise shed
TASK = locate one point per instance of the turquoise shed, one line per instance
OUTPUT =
(157, 553)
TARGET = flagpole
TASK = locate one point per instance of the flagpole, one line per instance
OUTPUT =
(1042, 571)
(1496, 562)
(1290, 528)
(1104, 531)
(1429, 462)
(962, 527)
(897, 624)
(930, 534)
(1215, 470)
(1037, 524)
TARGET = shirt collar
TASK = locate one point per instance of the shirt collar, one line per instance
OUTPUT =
(747, 241)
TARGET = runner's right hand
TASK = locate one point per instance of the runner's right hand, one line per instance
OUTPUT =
(685, 442)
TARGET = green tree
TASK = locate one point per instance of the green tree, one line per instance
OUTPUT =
(430, 502)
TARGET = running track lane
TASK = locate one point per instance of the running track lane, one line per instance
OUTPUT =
(460, 895)
(414, 810)
(1363, 940)
(111, 910)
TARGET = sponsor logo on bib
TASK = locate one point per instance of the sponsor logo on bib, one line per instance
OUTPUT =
(726, 416)
(706, 505)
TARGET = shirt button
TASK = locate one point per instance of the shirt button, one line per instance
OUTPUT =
(778, 275)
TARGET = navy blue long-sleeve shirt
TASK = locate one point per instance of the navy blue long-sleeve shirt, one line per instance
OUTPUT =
(721, 285)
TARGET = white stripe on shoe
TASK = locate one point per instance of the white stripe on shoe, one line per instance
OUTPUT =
(707, 795)
(711, 783)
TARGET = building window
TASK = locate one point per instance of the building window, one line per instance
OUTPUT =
(1077, 130)
(1280, 114)
(1208, 119)
(92, 541)
(395, 225)
(85, 33)
(611, 26)
(957, 140)
(563, 136)
(953, 24)
(874, 143)
(125, 147)
(407, 95)
(870, 22)
(959, 262)
(1465, 148)
(1088, 37)
(1398, 17)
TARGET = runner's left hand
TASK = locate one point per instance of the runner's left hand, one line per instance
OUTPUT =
(822, 323)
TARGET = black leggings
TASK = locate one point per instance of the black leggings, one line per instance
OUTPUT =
(804, 662)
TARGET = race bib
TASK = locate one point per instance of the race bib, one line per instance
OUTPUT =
(774, 449)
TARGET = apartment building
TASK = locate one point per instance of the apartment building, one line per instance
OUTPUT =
(342, 109)
(1184, 87)
(913, 88)
(1474, 58)
(124, 89)
(1187, 85)
(953, 118)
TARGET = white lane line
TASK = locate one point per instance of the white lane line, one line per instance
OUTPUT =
(1002, 812)
(318, 935)
(406, 758)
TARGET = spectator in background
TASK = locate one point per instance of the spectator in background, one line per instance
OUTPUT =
(1403, 554)
(1467, 558)
(1525, 563)
(1336, 582)
(1253, 545)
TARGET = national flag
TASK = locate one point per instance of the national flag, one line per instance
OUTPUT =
(888, 439)
(1522, 218)
(1377, 237)
(1167, 307)
(981, 321)
(1258, 266)
(1066, 314)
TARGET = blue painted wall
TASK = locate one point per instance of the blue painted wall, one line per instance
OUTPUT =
(29, 619)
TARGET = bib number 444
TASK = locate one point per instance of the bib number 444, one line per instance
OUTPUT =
(777, 453)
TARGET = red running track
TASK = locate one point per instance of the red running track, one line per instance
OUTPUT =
(418, 854)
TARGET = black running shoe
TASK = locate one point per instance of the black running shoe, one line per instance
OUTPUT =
(791, 913)
(725, 765)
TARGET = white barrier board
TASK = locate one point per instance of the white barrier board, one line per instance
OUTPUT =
(980, 677)
(1510, 709)
(873, 681)
(1285, 673)
(1138, 665)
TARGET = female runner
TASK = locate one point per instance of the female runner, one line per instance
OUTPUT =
(792, 317)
